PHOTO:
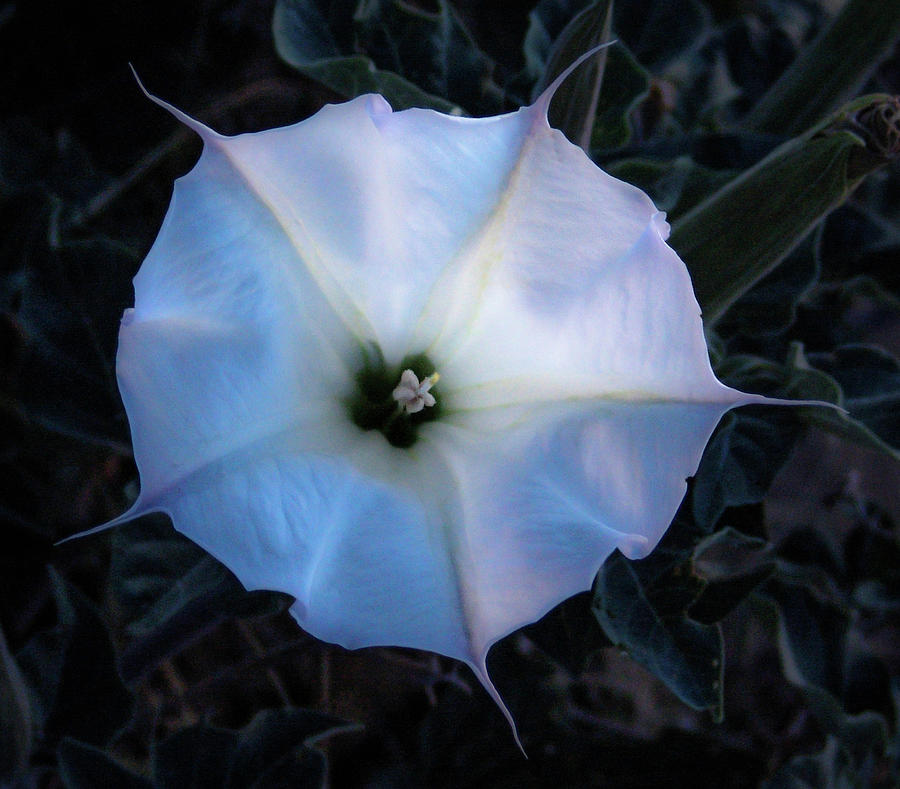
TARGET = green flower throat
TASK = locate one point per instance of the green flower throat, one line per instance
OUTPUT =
(395, 400)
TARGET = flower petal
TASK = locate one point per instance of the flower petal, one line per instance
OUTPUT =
(550, 496)
(629, 329)
(369, 196)
(215, 354)
(366, 561)
(371, 540)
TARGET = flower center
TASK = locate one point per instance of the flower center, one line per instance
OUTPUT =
(413, 396)
(394, 400)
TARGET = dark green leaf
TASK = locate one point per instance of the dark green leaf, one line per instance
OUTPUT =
(826, 769)
(68, 297)
(625, 84)
(684, 654)
(197, 757)
(353, 76)
(574, 104)
(72, 669)
(302, 34)
(741, 461)
(770, 306)
(196, 602)
(848, 312)
(274, 750)
(431, 49)
(171, 592)
(853, 757)
(743, 231)
(870, 380)
(276, 746)
(862, 366)
(83, 766)
(675, 186)
(847, 690)
(569, 633)
(856, 242)
(873, 377)
(756, 54)
(148, 559)
(812, 636)
(733, 565)
(16, 724)
(809, 557)
(656, 31)
(546, 22)
(558, 24)
(830, 70)
(414, 58)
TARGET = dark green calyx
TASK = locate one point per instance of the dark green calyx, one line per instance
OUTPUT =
(372, 405)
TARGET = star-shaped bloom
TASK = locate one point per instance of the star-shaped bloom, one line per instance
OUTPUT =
(278, 370)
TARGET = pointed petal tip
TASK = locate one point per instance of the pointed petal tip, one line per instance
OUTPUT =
(479, 668)
(134, 511)
(744, 398)
(204, 131)
(542, 104)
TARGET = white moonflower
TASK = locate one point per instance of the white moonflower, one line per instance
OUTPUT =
(280, 371)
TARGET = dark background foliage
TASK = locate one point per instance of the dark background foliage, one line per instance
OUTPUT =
(758, 645)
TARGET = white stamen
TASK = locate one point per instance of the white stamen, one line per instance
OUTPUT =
(412, 395)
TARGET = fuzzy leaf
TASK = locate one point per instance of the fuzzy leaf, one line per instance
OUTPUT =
(787, 194)
(830, 70)
(84, 766)
(575, 104)
(872, 377)
(275, 749)
(147, 560)
(281, 742)
(739, 464)
(683, 653)
(413, 57)
(770, 306)
(656, 31)
(430, 48)
(204, 596)
(870, 381)
(16, 724)
(74, 657)
(675, 186)
(546, 21)
(64, 300)
(733, 565)
(625, 84)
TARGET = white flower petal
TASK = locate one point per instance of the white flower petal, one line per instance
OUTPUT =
(558, 221)
(215, 353)
(631, 331)
(549, 498)
(380, 203)
(367, 563)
